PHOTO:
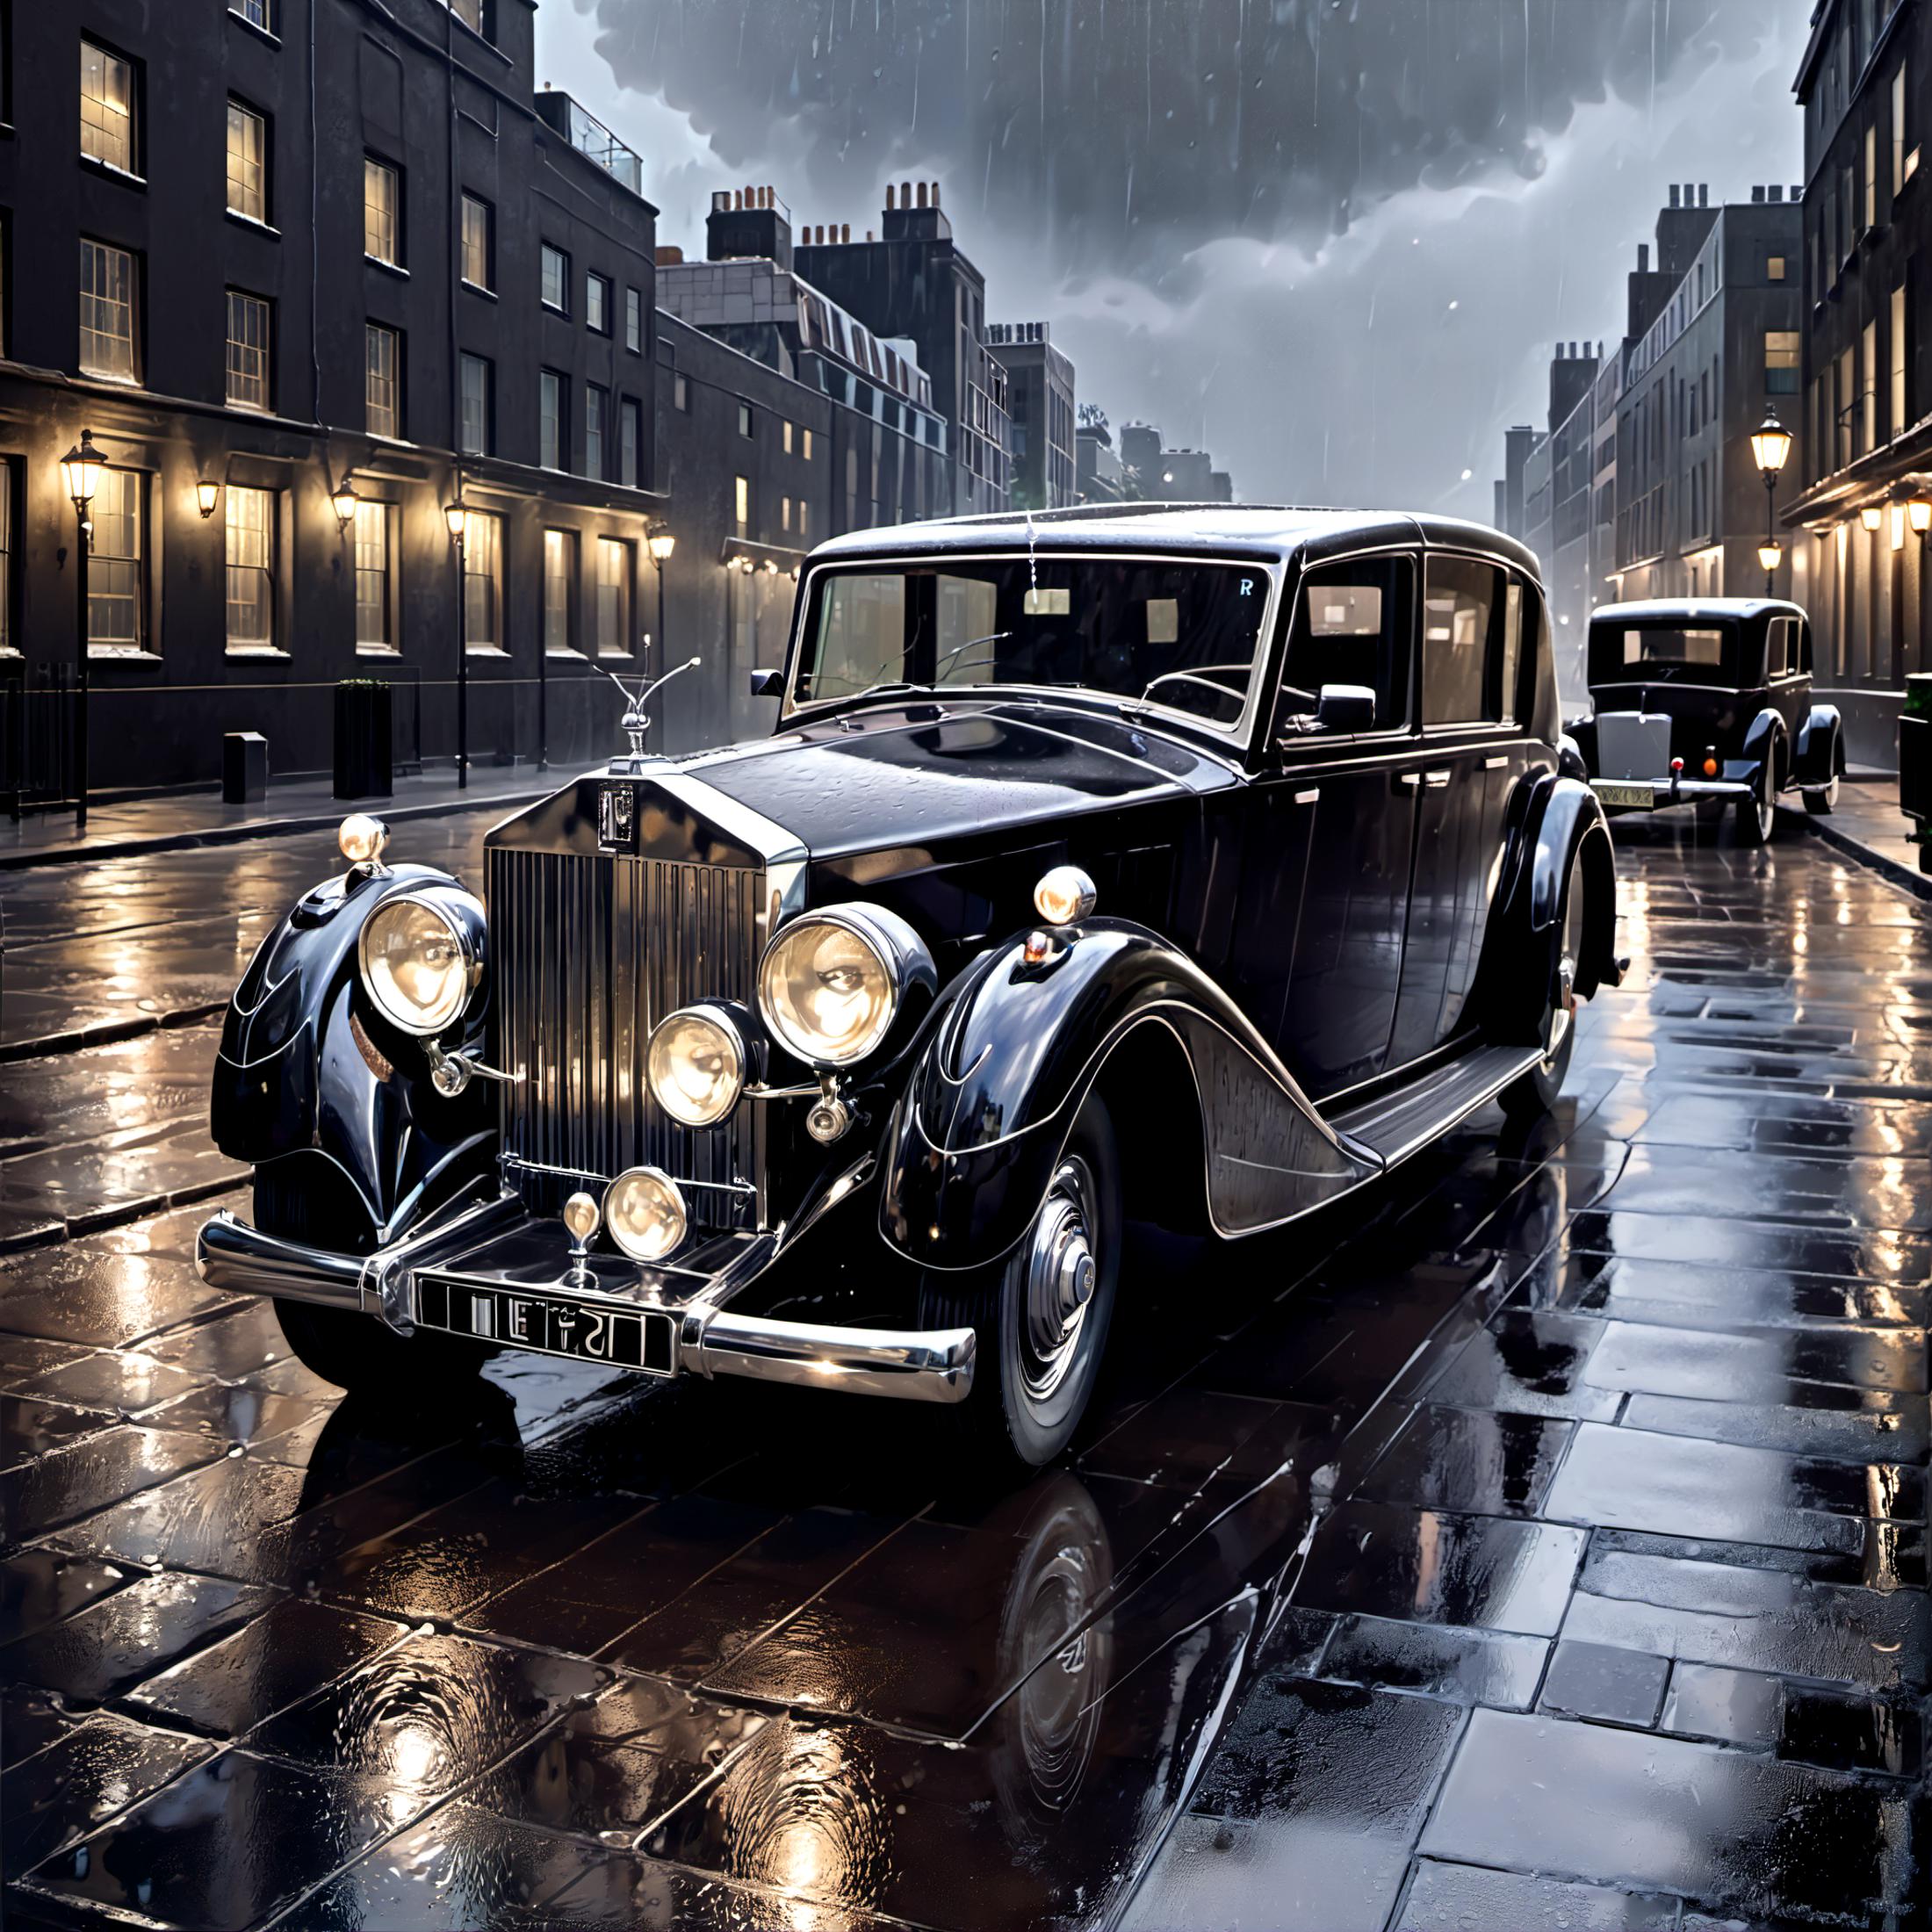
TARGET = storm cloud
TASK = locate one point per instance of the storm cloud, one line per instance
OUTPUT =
(1332, 240)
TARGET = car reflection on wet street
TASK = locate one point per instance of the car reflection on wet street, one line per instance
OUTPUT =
(1537, 1541)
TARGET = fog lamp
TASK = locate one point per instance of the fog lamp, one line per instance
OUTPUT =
(362, 838)
(645, 1212)
(1065, 894)
(696, 1066)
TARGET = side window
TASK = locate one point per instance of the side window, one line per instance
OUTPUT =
(1351, 626)
(1505, 705)
(1466, 614)
(1804, 647)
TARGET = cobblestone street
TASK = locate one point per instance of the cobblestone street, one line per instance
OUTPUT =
(1538, 1541)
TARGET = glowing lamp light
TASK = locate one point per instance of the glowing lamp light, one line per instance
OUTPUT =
(81, 471)
(1771, 445)
(343, 501)
(1919, 513)
(1770, 556)
(207, 494)
(660, 544)
(456, 515)
(1871, 517)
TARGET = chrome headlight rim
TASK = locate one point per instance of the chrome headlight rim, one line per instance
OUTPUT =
(461, 914)
(899, 952)
(728, 1025)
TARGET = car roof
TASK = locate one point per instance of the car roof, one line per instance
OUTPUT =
(1687, 609)
(1282, 529)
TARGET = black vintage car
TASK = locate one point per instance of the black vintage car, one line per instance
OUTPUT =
(1708, 701)
(1199, 864)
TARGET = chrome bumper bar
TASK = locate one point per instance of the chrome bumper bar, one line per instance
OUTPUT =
(934, 1366)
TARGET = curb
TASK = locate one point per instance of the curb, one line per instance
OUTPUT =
(1918, 884)
(109, 1033)
(262, 828)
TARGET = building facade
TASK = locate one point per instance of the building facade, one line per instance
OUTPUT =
(1042, 408)
(1865, 90)
(782, 421)
(1161, 475)
(912, 283)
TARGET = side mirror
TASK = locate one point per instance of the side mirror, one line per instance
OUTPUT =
(1345, 708)
(767, 684)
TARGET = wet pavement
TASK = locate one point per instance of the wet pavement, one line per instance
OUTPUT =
(1539, 1542)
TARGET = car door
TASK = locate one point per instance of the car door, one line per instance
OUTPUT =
(1473, 751)
(1325, 888)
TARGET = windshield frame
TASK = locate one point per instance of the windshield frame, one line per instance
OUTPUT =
(1236, 731)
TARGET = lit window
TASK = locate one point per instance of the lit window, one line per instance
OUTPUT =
(630, 438)
(483, 579)
(614, 570)
(7, 646)
(478, 429)
(382, 197)
(785, 437)
(117, 563)
(248, 162)
(107, 312)
(1869, 390)
(1781, 355)
(597, 303)
(804, 525)
(374, 630)
(633, 321)
(1872, 177)
(555, 280)
(382, 395)
(477, 268)
(107, 108)
(806, 451)
(559, 580)
(1901, 170)
(1899, 420)
(596, 405)
(1774, 268)
(784, 513)
(680, 394)
(551, 441)
(249, 372)
(251, 565)
(741, 499)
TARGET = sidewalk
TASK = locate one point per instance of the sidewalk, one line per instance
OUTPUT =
(1866, 824)
(118, 828)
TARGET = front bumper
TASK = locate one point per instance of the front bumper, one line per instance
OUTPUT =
(498, 1250)
(1622, 794)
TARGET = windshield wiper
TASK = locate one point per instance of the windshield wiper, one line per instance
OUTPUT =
(915, 684)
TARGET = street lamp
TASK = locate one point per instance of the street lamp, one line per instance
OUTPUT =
(343, 501)
(81, 471)
(456, 515)
(660, 544)
(207, 494)
(1871, 516)
(1919, 511)
(1771, 446)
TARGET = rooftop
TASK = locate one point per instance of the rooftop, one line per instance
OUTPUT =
(591, 138)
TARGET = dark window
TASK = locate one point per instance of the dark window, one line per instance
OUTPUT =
(552, 426)
(596, 415)
(597, 303)
(1351, 626)
(744, 419)
(478, 242)
(1463, 610)
(555, 280)
(633, 321)
(257, 13)
(680, 394)
(630, 436)
(479, 427)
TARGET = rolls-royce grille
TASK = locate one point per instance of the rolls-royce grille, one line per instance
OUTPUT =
(588, 955)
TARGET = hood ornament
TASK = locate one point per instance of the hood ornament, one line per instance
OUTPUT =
(635, 722)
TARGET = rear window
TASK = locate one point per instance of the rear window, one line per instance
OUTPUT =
(1663, 653)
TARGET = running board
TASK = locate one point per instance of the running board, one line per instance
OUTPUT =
(1403, 1121)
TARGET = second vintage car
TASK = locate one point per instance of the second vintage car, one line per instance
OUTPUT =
(1195, 864)
(1708, 702)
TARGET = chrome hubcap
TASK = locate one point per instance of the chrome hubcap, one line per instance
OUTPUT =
(1061, 1272)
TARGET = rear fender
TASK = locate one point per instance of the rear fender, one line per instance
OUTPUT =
(306, 1064)
(1762, 758)
(1011, 1051)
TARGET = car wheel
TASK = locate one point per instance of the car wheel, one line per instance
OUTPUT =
(1041, 1315)
(1819, 801)
(1757, 813)
(1532, 1094)
(350, 1348)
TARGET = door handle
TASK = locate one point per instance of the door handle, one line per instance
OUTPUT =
(1309, 797)
(1495, 763)
(1411, 779)
(1435, 780)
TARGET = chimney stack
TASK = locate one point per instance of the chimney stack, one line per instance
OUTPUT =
(1757, 195)
(1704, 194)
(1643, 257)
(1675, 192)
(1777, 193)
(889, 198)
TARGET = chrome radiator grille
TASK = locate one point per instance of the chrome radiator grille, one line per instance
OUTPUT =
(587, 955)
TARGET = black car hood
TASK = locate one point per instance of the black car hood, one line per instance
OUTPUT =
(928, 774)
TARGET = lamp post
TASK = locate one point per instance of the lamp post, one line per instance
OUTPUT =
(458, 515)
(660, 544)
(80, 472)
(1771, 446)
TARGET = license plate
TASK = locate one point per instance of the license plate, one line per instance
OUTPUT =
(1640, 797)
(585, 1332)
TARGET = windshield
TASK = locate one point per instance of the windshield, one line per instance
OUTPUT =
(1663, 653)
(1182, 635)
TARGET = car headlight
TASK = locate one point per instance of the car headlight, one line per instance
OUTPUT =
(831, 984)
(696, 1066)
(422, 955)
(644, 1209)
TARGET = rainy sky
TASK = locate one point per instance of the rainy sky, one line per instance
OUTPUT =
(1332, 241)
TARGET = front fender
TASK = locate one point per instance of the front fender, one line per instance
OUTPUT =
(1820, 754)
(306, 1065)
(1013, 1048)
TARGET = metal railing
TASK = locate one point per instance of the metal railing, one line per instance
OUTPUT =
(36, 736)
